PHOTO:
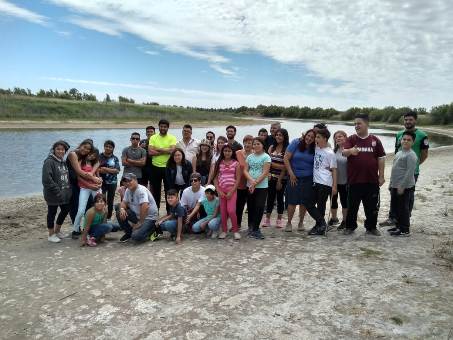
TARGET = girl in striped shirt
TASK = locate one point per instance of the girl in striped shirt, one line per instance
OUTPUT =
(226, 179)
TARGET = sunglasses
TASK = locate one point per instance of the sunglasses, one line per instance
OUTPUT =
(135, 138)
(194, 180)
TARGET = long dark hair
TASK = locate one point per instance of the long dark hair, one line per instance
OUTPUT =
(81, 157)
(222, 157)
(171, 161)
(94, 151)
(199, 156)
(285, 134)
(303, 146)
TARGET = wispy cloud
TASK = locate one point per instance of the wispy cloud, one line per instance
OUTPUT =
(147, 51)
(94, 24)
(7, 8)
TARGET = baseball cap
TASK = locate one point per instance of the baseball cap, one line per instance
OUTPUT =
(210, 187)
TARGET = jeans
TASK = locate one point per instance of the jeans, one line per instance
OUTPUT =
(213, 225)
(228, 209)
(99, 230)
(240, 204)
(368, 194)
(109, 191)
(84, 195)
(140, 234)
(170, 225)
(255, 204)
(52, 212)
(273, 193)
(392, 212)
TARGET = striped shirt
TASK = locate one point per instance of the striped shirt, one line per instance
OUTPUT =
(227, 174)
(276, 158)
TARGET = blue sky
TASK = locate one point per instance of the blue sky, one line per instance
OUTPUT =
(198, 53)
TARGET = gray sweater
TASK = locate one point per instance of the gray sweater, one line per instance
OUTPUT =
(403, 169)
(55, 181)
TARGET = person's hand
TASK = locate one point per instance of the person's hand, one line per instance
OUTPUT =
(123, 214)
(178, 240)
(334, 191)
(252, 187)
(400, 191)
(293, 180)
(381, 181)
(83, 241)
(228, 195)
(188, 218)
(355, 151)
(279, 185)
(136, 225)
(221, 194)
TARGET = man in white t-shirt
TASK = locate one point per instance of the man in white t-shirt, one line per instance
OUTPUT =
(191, 195)
(324, 176)
(188, 144)
(137, 213)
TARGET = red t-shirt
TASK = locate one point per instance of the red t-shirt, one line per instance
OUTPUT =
(363, 168)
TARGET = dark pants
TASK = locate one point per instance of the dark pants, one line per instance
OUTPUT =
(109, 190)
(321, 194)
(140, 234)
(255, 205)
(146, 176)
(273, 193)
(402, 206)
(393, 213)
(368, 194)
(74, 202)
(343, 194)
(156, 184)
(52, 212)
(240, 204)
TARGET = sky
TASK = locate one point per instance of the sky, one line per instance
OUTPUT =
(203, 53)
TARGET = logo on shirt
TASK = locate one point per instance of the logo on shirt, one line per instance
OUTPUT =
(366, 149)
(373, 143)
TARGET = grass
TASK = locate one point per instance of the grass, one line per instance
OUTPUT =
(444, 251)
(38, 109)
(368, 252)
(396, 320)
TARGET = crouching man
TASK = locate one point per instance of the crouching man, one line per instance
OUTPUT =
(137, 213)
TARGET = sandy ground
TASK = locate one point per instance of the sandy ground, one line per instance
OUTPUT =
(288, 286)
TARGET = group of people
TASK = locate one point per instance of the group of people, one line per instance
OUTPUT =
(207, 184)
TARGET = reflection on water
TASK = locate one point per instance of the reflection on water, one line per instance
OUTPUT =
(23, 151)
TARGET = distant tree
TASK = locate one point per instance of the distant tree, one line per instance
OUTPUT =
(107, 98)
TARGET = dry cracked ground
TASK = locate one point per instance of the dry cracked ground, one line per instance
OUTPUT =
(288, 286)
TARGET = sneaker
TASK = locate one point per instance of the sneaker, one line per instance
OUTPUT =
(342, 225)
(348, 231)
(258, 235)
(289, 227)
(333, 221)
(153, 237)
(54, 239)
(60, 235)
(237, 236)
(391, 230)
(373, 232)
(222, 235)
(279, 223)
(300, 226)
(267, 222)
(400, 233)
(214, 235)
(125, 238)
(387, 223)
(317, 230)
(91, 241)
(75, 235)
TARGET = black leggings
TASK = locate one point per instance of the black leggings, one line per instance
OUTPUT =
(240, 203)
(109, 191)
(343, 193)
(52, 212)
(321, 194)
(272, 193)
(255, 205)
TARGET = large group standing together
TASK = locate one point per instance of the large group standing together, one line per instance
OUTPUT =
(207, 184)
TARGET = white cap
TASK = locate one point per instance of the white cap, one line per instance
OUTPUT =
(209, 187)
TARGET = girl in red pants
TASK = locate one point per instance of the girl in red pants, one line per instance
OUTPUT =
(226, 179)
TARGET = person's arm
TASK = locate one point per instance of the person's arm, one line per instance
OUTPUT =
(193, 213)
(266, 169)
(179, 230)
(217, 187)
(286, 160)
(47, 179)
(246, 173)
(89, 216)
(137, 162)
(163, 219)
(411, 165)
(351, 151)
(423, 155)
(334, 182)
(76, 166)
(143, 213)
(194, 163)
(424, 144)
(381, 167)
(211, 173)
(113, 171)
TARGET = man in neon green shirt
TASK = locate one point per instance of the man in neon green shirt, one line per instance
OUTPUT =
(420, 147)
(161, 146)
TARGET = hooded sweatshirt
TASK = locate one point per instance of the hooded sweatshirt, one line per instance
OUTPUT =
(55, 181)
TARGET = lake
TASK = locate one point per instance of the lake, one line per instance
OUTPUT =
(23, 151)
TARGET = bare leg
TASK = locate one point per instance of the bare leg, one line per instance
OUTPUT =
(291, 211)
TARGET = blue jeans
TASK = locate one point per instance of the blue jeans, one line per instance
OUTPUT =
(140, 234)
(99, 230)
(83, 200)
(213, 225)
(170, 225)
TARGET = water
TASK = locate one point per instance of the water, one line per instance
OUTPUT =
(23, 151)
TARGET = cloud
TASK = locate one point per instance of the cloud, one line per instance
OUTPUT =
(10, 9)
(101, 26)
(376, 51)
(146, 51)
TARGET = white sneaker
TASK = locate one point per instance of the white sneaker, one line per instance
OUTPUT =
(222, 235)
(214, 235)
(237, 236)
(60, 235)
(54, 239)
(300, 226)
(289, 227)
